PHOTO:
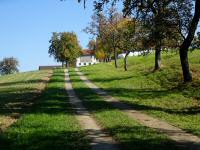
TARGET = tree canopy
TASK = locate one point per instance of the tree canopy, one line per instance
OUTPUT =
(64, 47)
(9, 65)
(169, 23)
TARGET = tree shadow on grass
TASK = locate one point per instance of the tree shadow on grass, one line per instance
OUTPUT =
(44, 125)
(150, 95)
(131, 137)
(52, 101)
(146, 94)
(99, 106)
(43, 140)
(142, 138)
(15, 99)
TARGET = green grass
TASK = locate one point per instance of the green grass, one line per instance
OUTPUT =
(17, 92)
(161, 94)
(128, 132)
(49, 125)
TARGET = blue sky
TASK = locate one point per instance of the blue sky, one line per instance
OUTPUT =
(27, 25)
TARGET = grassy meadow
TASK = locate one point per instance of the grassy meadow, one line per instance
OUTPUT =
(17, 93)
(49, 123)
(161, 94)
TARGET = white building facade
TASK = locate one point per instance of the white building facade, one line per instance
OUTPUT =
(136, 53)
(87, 58)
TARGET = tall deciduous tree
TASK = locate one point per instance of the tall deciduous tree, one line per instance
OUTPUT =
(9, 66)
(70, 47)
(55, 48)
(64, 47)
(187, 42)
(163, 14)
(129, 34)
(104, 28)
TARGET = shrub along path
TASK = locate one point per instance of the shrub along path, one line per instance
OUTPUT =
(182, 138)
(100, 140)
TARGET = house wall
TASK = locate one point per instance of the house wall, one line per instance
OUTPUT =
(86, 60)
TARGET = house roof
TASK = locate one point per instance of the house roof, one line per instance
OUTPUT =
(87, 52)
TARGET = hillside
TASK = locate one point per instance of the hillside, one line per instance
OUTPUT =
(161, 94)
(45, 123)
(17, 92)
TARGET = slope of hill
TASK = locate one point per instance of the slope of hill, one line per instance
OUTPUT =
(161, 94)
(17, 92)
(49, 123)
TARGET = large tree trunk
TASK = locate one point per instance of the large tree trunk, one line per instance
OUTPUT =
(187, 42)
(157, 57)
(185, 65)
(115, 57)
(125, 60)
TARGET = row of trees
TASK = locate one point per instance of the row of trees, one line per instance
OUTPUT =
(164, 23)
(64, 47)
(8, 66)
(116, 34)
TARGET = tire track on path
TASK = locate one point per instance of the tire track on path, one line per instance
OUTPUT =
(100, 140)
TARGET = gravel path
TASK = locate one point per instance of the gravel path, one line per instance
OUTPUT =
(100, 140)
(181, 138)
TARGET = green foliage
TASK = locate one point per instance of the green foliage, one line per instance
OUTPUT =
(161, 94)
(9, 66)
(65, 47)
(104, 27)
(55, 47)
(129, 33)
(92, 45)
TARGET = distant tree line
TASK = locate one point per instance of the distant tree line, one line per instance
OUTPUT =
(64, 47)
(8, 66)
(154, 24)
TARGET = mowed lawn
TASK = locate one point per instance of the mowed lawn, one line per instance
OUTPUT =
(161, 94)
(17, 93)
(48, 125)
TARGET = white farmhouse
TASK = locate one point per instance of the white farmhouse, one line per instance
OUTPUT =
(87, 58)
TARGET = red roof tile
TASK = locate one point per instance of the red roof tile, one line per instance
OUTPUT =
(87, 52)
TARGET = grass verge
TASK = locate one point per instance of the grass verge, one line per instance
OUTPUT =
(50, 125)
(128, 132)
